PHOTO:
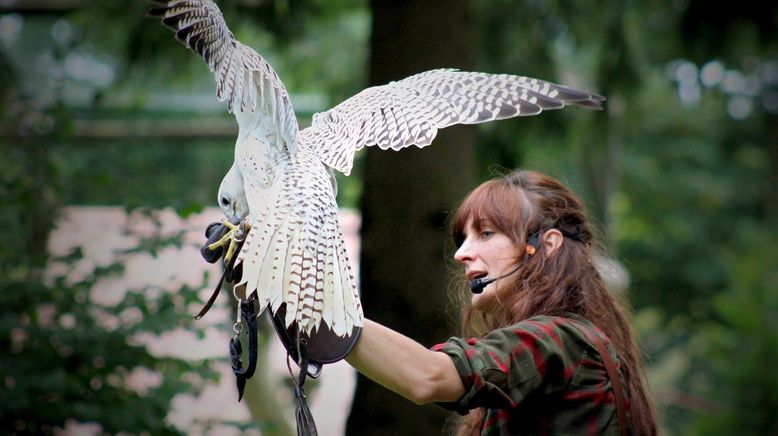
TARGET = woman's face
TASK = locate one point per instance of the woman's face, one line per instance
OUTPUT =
(486, 252)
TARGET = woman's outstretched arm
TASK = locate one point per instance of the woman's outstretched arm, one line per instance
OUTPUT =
(404, 366)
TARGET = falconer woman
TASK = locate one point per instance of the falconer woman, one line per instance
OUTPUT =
(555, 352)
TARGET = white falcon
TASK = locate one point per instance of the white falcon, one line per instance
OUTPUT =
(281, 180)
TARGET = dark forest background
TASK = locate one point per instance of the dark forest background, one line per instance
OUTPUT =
(100, 106)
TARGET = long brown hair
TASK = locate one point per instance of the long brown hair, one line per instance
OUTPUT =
(524, 203)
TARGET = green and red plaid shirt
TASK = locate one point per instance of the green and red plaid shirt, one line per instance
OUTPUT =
(539, 376)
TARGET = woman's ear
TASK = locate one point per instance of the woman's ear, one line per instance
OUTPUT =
(552, 240)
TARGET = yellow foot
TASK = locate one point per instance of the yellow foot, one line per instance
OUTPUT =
(227, 239)
(234, 236)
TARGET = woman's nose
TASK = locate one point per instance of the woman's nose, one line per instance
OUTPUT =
(464, 253)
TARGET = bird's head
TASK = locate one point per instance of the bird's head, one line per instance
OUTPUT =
(232, 197)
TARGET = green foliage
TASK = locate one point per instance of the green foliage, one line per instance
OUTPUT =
(72, 358)
(740, 347)
(149, 173)
(64, 356)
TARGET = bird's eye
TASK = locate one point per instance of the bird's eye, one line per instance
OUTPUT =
(225, 202)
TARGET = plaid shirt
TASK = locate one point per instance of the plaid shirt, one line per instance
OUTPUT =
(539, 376)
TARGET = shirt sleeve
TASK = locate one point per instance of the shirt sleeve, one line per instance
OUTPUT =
(501, 369)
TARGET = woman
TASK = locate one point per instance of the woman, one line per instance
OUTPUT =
(534, 366)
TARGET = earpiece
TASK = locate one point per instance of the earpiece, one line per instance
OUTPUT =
(533, 243)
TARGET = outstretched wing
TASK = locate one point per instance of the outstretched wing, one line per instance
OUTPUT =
(410, 111)
(244, 79)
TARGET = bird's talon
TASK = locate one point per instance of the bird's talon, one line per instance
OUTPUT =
(230, 251)
(227, 237)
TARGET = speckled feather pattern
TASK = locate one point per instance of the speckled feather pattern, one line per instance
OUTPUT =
(411, 111)
(294, 253)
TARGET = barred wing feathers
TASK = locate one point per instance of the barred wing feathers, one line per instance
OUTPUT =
(244, 79)
(411, 111)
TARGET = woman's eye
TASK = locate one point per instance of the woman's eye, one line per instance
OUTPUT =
(485, 234)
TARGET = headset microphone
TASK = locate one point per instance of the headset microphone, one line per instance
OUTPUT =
(477, 285)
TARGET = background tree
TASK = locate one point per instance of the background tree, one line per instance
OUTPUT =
(407, 198)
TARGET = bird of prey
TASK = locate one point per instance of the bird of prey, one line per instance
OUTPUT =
(281, 184)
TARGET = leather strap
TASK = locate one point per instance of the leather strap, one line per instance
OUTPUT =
(236, 349)
(227, 274)
(613, 375)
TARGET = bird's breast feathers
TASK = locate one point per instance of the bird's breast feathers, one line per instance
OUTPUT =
(295, 252)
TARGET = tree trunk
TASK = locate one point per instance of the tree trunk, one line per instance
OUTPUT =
(407, 198)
